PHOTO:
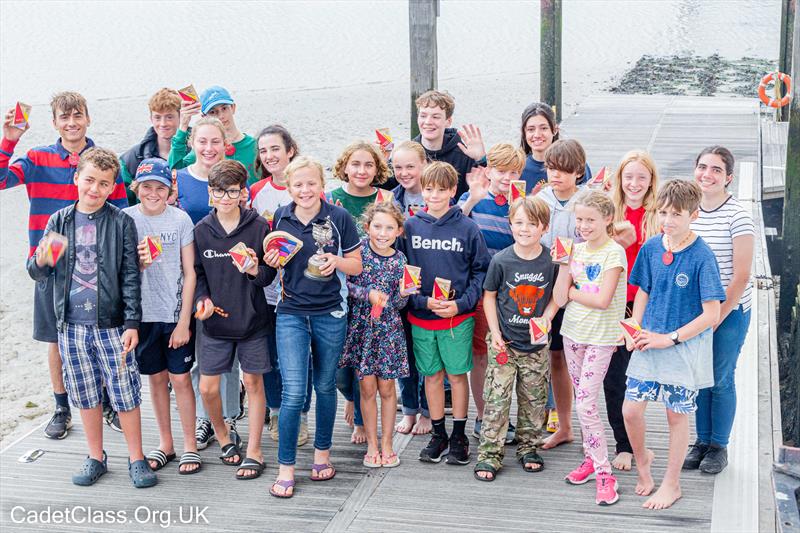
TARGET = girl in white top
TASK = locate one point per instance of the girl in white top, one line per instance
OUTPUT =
(727, 227)
(593, 289)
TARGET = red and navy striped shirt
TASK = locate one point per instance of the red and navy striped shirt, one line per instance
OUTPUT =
(48, 175)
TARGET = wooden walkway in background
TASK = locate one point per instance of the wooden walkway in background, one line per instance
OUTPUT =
(415, 496)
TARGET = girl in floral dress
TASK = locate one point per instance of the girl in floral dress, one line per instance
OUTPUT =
(375, 346)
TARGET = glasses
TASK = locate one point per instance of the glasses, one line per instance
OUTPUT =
(219, 194)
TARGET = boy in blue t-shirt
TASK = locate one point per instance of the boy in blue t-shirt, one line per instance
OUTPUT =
(677, 305)
(487, 204)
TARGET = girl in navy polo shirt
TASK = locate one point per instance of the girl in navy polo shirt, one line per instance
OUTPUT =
(312, 311)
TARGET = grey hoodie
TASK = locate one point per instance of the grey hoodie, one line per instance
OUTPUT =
(562, 218)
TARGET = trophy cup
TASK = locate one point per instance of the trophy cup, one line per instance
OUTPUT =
(323, 236)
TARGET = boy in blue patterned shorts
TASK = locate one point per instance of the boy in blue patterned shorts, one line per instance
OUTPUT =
(98, 309)
(677, 304)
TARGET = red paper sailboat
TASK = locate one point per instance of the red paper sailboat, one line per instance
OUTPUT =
(599, 180)
(154, 247)
(410, 282)
(385, 139)
(242, 257)
(56, 246)
(21, 114)
(517, 189)
(189, 94)
(441, 289)
(287, 245)
(630, 328)
(563, 248)
(383, 196)
(413, 209)
(538, 330)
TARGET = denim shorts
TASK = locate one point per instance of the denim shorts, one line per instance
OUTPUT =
(676, 398)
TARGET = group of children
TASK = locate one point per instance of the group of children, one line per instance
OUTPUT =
(428, 266)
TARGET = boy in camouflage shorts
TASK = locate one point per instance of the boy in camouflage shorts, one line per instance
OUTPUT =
(518, 287)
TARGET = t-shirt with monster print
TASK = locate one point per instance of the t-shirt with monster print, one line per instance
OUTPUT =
(588, 325)
(523, 287)
(82, 308)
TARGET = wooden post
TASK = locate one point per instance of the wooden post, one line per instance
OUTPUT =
(788, 10)
(422, 43)
(790, 276)
(550, 55)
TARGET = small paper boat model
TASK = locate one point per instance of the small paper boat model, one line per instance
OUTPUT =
(189, 94)
(21, 114)
(517, 189)
(384, 139)
(384, 196)
(413, 209)
(241, 257)
(441, 289)
(538, 330)
(563, 250)
(375, 311)
(56, 246)
(287, 245)
(154, 248)
(410, 282)
(629, 328)
(600, 179)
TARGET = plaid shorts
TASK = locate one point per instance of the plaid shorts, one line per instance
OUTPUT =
(676, 398)
(92, 356)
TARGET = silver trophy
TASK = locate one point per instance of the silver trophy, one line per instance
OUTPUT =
(323, 236)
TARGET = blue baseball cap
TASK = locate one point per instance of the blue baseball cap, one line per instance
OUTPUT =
(154, 169)
(214, 96)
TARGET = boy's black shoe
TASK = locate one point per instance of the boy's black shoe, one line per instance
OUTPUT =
(435, 450)
(204, 433)
(715, 460)
(59, 425)
(459, 450)
(112, 418)
(511, 434)
(448, 402)
(695, 456)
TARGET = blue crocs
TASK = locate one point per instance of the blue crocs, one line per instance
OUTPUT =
(90, 471)
(141, 474)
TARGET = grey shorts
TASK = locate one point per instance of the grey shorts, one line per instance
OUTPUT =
(44, 313)
(215, 356)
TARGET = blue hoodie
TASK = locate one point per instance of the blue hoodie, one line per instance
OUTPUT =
(450, 247)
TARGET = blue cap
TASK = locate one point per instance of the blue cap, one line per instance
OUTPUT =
(154, 169)
(214, 96)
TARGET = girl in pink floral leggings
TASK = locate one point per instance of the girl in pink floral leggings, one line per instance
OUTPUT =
(593, 289)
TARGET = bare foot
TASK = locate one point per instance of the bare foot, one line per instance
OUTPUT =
(645, 483)
(423, 426)
(622, 461)
(349, 410)
(406, 424)
(359, 436)
(664, 497)
(558, 438)
(485, 475)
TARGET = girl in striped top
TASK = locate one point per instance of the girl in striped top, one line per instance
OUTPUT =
(727, 227)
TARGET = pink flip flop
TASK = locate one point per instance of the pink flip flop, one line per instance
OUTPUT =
(317, 468)
(286, 484)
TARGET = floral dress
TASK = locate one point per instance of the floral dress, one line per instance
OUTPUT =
(376, 347)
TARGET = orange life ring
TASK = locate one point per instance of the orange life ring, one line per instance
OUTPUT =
(762, 89)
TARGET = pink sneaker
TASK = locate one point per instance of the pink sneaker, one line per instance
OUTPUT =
(582, 474)
(606, 489)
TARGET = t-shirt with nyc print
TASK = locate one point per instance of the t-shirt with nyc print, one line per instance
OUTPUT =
(524, 288)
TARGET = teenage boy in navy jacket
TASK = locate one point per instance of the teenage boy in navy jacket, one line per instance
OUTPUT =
(445, 244)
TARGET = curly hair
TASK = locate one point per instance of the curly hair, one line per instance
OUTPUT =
(382, 172)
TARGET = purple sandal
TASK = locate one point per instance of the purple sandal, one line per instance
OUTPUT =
(317, 468)
(286, 484)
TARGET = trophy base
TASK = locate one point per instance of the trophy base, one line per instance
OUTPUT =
(315, 276)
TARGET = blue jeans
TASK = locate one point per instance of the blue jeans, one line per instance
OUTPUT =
(412, 388)
(716, 406)
(347, 383)
(324, 335)
(273, 387)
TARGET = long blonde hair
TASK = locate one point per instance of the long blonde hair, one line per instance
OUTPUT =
(650, 225)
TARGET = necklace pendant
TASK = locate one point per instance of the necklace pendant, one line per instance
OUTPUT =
(501, 358)
(230, 150)
(667, 258)
(74, 159)
(500, 199)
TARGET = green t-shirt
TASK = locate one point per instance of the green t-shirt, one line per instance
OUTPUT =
(245, 152)
(355, 205)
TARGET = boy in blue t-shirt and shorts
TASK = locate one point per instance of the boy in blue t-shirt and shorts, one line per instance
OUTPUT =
(166, 344)
(677, 305)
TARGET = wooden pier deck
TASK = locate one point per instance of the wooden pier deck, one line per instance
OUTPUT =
(423, 497)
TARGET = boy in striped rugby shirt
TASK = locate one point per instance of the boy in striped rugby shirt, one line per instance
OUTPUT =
(47, 173)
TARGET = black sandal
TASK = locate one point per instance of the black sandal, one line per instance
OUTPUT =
(250, 464)
(159, 458)
(532, 458)
(229, 450)
(190, 458)
(485, 467)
